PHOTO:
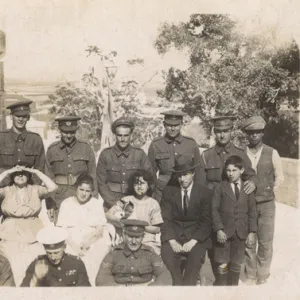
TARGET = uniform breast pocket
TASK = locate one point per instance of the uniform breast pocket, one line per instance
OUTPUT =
(113, 172)
(119, 269)
(145, 270)
(80, 157)
(132, 167)
(71, 279)
(164, 161)
(213, 172)
(7, 154)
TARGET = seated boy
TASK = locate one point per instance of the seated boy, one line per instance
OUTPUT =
(234, 219)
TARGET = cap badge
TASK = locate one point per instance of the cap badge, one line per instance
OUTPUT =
(68, 123)
(134, 228)
(22, 107)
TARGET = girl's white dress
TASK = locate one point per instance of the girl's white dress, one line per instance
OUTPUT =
(81, 220)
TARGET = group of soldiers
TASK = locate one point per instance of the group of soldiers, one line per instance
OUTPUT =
(187, 233)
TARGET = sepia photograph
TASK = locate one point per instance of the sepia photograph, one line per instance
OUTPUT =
(149, 149)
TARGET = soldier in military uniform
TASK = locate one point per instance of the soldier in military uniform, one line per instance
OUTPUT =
(164, 150)
(17, 144)
(55, 268)
(132, 263)
(213, 160)
(66, 160)
(117, 163)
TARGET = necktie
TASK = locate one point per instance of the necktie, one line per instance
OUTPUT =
(185, 202)
(236, 191)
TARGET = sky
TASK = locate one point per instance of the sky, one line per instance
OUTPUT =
(46, 39)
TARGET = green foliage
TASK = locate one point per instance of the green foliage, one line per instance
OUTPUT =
(229, 73)
(70, 100)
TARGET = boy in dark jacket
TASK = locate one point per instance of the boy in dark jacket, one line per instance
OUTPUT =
(234, 219)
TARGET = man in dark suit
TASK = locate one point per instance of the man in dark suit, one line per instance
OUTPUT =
(186, 211)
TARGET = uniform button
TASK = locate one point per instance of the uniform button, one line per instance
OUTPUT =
(123, 181)
(59, 279)
(18, 159)
(131, 277)
(19, 149)
(174, 145)
(123, 173)
(73, 282)
(69, 165)
(176, 153)
(59, 268)
(132, 268)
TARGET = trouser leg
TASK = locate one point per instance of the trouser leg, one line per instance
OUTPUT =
(195, 259)
(221, 276)
(172, 261)
(237, 252)
(265, 235)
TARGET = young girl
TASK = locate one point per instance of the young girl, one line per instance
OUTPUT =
(21, 207)
(84, 219)
(145, 208)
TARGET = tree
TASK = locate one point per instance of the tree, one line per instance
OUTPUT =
(229, 73)
(88, 102)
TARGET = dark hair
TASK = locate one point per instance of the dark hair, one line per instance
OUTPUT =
(146, 175)
(27, 174)
(84, 178)
(235, 160)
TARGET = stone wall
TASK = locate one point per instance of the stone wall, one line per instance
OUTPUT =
(288, 193)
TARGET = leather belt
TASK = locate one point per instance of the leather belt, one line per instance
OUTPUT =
(66, 180)
(118, 187)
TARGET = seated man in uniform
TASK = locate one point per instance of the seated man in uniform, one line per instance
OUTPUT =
(132, 263)
(6, 275)
(55, 268)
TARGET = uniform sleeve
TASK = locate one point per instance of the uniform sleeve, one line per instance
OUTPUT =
(151, 155)
(28, 275)
(202, 173)
(161, 273)
(196, 152)
(105, 276)
(167, 232)
(215, 209)
(40, 158)
(6, 275)
(82, 279)
(48, 169)
(155, 214)
(145, 162)
(277, 164)
(92, 170)
(104, 191)
(252, 213)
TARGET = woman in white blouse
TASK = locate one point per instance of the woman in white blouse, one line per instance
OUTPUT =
(84, 219)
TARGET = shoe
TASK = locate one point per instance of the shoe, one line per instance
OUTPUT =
(250, 281)
(261, 281)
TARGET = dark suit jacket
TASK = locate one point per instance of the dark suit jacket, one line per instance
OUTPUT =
(231, 215)
(196, 225)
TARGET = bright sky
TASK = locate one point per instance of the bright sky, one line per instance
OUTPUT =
(46, 39)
